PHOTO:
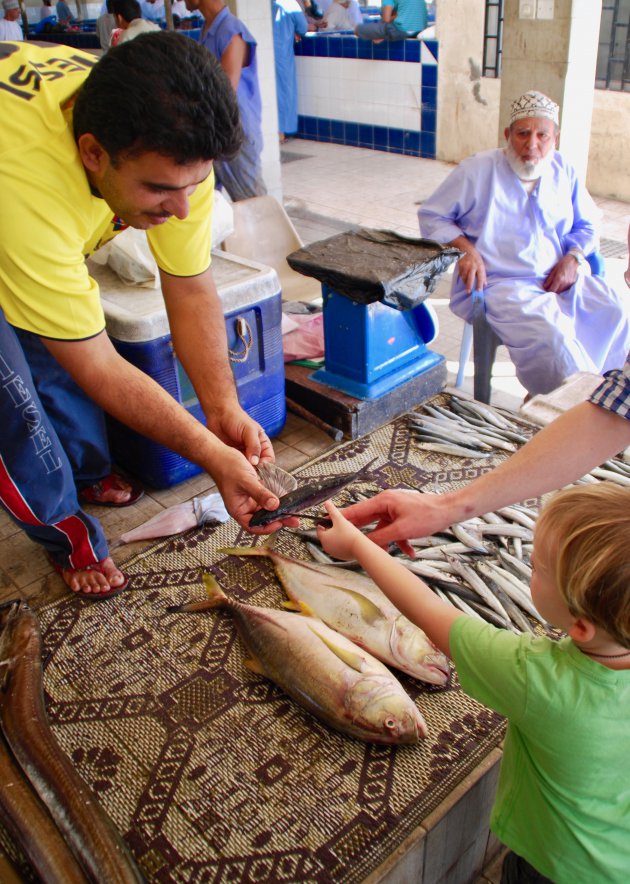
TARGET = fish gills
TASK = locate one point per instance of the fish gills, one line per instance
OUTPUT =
(79, 817)
(353, 605)
(332, 678)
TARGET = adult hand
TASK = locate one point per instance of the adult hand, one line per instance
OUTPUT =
(472, 270)
(562, 276)
(236, 428)
(400, 516)
(241, 489)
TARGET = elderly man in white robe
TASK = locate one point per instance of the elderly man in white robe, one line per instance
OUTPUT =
(525, 225)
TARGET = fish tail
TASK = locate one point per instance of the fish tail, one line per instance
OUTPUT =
(216, 598)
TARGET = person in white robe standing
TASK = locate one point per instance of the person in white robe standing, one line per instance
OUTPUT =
(525, 224)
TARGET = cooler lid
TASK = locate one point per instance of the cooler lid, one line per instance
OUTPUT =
(135, 314)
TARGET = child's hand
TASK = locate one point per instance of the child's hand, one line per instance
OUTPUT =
(340, 540)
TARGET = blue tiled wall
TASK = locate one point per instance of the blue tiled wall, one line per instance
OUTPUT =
(419, 142)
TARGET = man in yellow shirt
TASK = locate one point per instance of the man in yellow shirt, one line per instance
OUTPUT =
(88, 149)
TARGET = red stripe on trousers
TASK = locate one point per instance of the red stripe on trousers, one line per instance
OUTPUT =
(72, 527)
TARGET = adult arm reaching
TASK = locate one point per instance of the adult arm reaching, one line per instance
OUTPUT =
(135, 399)
(562, 452)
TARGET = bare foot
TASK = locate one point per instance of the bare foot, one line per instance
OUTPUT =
(96, 580)
(113, 490)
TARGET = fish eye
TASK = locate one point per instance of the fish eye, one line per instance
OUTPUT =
(390, 723)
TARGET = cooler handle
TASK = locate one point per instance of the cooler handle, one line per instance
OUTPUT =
(244, 334)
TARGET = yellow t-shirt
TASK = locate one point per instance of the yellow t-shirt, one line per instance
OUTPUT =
(49, 219)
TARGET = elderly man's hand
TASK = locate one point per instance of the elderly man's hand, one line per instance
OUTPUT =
(562, 276)
(472, 270)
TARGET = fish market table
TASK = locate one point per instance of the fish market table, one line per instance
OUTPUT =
(211, 773)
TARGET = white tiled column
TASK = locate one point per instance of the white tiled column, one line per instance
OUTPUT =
(554, 52)
(256, 14)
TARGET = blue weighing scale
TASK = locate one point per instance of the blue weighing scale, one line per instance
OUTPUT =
(372, 348)
(377, 323)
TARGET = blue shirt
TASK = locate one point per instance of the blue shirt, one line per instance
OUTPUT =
(217, 39)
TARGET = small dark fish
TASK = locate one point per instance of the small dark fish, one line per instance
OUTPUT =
(306, 496)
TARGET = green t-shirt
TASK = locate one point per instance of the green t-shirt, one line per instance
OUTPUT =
(563, 800)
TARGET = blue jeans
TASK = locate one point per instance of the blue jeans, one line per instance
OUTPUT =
(52, 436)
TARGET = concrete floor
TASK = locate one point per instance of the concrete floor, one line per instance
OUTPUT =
(326, 188)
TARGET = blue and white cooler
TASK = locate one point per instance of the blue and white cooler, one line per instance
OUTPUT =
(137, 324)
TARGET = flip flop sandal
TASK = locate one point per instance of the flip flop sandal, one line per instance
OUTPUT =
(94, 493)
(90, 596)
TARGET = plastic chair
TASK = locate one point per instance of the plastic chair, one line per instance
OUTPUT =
(485, 340)
(264, 232)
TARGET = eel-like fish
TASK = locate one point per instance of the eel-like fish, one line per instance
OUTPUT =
(315, 491)
(82, 822)
(31, 826)
(353, 605)
(327, 674)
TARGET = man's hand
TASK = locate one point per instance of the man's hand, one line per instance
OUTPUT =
(241, 489)
(400, 516)
(562, 276)
(470, 266)
(236, 428)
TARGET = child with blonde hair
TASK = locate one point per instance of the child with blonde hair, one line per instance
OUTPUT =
(563, 800)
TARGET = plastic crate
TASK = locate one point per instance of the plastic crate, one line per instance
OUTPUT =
(138, 327)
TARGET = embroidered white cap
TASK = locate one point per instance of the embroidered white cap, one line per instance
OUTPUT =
(534, 104)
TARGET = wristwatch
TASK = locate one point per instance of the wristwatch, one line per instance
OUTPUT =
(578, 255)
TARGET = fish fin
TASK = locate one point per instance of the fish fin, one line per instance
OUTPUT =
(292, 606)
(277, 480)
(216, 596)
(189, 607)
(370, 611)
(262, 550)
(254, 665)
(353, 659)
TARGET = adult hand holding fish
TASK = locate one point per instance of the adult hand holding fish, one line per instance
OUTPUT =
(406, 591)
(235, 428)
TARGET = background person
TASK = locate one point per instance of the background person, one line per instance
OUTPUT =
(65, 18)
(525, 224)
(69, 184)
(227, 38)
(10, 27)
(342, 15)
(105, 24)
(400, 20)
(128, 17)
(289, 24)
(561, 805)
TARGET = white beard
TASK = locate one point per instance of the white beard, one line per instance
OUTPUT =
(527, 171)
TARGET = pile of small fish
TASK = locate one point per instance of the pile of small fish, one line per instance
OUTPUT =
(466, 429)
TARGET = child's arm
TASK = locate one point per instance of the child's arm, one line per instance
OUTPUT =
(406, 591)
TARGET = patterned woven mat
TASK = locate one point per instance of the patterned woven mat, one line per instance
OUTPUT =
(210, 772)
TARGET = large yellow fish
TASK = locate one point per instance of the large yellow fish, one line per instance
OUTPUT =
(353, 605)
(321, 670)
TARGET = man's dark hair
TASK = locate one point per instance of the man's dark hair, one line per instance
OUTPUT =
(128, 9)
(163, 93)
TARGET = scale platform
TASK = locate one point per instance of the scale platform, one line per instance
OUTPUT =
(353, 416)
